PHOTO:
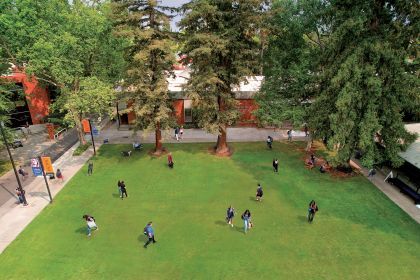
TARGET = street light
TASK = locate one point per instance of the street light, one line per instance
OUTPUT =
(13, 164)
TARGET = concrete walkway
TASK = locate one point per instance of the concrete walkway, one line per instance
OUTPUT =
(15, 217)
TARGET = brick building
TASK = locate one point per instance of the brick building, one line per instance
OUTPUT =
(184, 110)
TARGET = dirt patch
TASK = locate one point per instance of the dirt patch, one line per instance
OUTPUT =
(228, 153)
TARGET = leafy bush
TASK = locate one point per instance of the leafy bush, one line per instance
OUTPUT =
(81, 149)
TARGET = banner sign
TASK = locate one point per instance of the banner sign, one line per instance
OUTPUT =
(36, 167)
(86, 127)
(47, 165)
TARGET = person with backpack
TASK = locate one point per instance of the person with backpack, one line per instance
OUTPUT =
(289, 135)
(269, 142)
(20, 195)
(246, 217)
(22, 172)
(90, 168)
(312, 209)
(259, 193)
(59, 175)
(91, 223)
(230, 213)
(149, 232)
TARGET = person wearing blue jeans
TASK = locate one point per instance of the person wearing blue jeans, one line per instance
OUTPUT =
(91, 224)
(246, 216)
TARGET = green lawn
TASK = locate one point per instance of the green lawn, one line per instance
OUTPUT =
(357, 234)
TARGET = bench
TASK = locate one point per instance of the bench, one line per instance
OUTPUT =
(405, 189)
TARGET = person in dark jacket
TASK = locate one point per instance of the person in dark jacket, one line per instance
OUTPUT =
(259, 193)
(230, 213)
(312, 209)
(270, 142)
(123, 190)
(276, 165)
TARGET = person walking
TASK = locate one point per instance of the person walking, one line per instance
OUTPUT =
(170, 161)
(119, 188)
(246, 216)
(22, 172)
(371, 173)
(276, 165)
(259, 193)
(91, 224)
(123, 190)
(181, 132)
(230, 213)
(150, 233)
(177, 133)
(269, 142)
(59, 175)
(312, 209)
(90, 168)
(289, 135)
(305, 128)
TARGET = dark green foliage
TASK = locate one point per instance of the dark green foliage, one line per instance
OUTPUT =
(220, 41)
(366, 84)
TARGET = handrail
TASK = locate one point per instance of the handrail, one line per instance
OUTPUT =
(59, 132)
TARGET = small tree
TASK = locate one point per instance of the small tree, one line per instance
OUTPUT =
(149, 62)
(220, 41)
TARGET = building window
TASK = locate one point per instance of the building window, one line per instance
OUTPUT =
(187, 111)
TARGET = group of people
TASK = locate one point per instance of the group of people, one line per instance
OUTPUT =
(179, 132)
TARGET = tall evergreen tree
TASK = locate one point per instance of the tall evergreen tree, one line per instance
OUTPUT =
(366, 83)
(149, 58)
(220, 41)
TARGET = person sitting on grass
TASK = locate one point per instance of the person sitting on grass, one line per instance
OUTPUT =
(309, 164)
(137, 145)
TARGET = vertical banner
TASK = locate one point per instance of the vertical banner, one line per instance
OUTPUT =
(86, 127)
(47, 165)
(36, 167)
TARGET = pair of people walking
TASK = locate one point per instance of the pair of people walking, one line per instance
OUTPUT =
(122, 190)
(246, 217)
(179, 132)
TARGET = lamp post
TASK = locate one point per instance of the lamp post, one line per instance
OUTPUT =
(91, 135)
(13, 164)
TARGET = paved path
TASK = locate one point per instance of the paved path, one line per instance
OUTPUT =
(15, 217)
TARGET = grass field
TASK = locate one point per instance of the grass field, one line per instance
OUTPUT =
(357, 234)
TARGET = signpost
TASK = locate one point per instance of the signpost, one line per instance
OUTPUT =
(36, 167)
(91, 135)
(46, 168)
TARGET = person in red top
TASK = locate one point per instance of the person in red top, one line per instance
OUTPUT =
(170, 161)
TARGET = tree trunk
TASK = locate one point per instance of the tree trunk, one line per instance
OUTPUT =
(80, 132)
(309, 143)
(222, 147)
(158, 139)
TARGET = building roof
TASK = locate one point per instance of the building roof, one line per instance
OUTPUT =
(245, 90)
(412, 154)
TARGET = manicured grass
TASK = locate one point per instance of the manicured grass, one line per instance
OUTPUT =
(357, 234)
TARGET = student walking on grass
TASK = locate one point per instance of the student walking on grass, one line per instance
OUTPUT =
(246, 217)
(123, 190)
(90, 168)
(312, 209)
(230, 213)
(259, 194)
(170, 161)
(91, 224)
(150, 233)
(270, 142)
(276, 165)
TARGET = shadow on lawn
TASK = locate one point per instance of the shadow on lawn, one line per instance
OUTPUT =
(224, 224)
(81, 230)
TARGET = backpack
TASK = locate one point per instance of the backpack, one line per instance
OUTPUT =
(145, 231)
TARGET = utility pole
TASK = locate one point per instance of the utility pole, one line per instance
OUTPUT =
(13, 164)
(45, 178)
(91, 135)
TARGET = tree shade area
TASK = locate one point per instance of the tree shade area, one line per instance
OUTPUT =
(358, 233)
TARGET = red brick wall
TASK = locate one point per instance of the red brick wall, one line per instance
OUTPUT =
(179, 111)
(37, 96)
(246, 107)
